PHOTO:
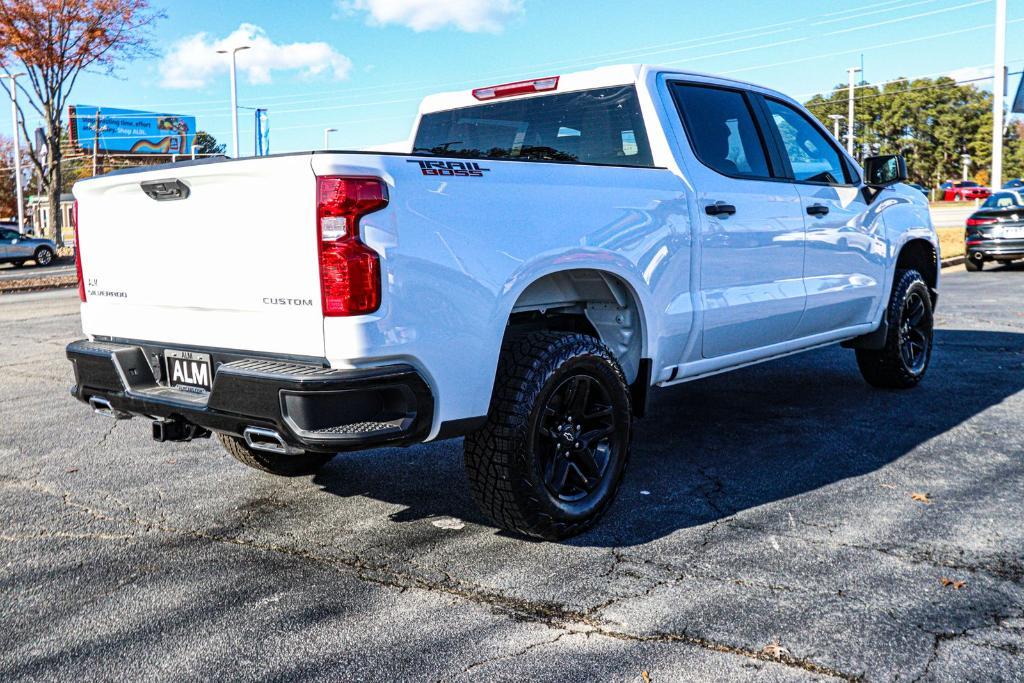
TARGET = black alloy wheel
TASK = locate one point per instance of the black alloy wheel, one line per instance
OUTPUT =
(575, 439)
(915, 332)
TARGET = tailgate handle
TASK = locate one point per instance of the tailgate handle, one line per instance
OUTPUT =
(165, 190)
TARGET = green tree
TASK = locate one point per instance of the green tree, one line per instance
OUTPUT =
(207, 145)
(933, 122)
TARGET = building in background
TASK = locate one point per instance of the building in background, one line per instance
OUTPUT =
(38, 216)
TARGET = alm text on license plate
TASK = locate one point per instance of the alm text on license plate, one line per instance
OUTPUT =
(189, 371)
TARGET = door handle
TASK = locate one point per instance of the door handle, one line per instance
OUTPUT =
(817, 210)
(719, 209)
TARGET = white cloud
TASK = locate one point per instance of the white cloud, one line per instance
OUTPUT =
(193, 62)
(427, 15)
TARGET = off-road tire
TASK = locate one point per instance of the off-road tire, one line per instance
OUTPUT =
(887, 367)
(506, 471)
(43, 256)
(279, 464)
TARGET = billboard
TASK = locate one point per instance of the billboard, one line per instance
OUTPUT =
(127, 131)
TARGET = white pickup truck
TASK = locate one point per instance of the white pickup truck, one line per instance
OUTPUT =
(542, 255)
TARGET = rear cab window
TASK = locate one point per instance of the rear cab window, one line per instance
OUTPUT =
(722, 131)
(600, 126)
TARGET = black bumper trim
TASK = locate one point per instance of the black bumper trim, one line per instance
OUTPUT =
(313, 407)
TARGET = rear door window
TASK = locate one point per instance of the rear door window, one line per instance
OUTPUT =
(602, 126)
(721, 129)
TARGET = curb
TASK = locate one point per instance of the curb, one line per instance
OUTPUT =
(953, 261)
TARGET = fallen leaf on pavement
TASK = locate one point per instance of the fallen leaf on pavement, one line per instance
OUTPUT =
(646, 676)
(921, 498)
(775, 650)
(450, 523)
(957, 585)
(71, 471)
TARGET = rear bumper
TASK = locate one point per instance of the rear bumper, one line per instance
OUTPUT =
(996, 248)
(312, 407)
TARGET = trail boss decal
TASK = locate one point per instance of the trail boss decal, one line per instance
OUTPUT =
(459, 169)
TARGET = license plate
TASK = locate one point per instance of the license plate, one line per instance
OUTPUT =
(189, 371)
(1013, 233)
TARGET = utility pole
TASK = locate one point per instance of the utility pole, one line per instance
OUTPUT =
(998, 93)
(96, 144)
(234, 93)
(836, 118)
(966, 160)
(327, 136)
(849, 118)
(17, 150)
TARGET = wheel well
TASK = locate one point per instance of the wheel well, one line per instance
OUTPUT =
(920, 255)
(589, 301)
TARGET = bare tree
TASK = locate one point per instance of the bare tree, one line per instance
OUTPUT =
(53, 42)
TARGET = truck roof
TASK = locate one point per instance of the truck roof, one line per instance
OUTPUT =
(605, 76)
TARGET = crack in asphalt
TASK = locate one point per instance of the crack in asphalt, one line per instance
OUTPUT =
(1003, 568)
(940, 638)
(381, 573)
(519, 653)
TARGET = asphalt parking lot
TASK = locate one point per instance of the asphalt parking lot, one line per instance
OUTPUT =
(784, 504)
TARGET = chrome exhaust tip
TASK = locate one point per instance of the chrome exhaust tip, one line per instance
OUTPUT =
(101, 406)
(268, 440)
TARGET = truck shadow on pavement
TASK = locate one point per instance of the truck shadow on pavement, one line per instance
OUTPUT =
(711, 448)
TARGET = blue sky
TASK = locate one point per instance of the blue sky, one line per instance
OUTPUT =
(362, 65)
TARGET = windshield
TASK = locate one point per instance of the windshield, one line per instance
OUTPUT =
(968, 183)
(602, 126)
(1004, 200)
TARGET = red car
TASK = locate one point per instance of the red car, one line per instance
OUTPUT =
(958, 190)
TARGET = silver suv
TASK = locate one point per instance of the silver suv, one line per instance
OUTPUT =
(17, 248)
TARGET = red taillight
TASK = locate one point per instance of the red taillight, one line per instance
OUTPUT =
(973, 222)
(349, 270)
(78, 252)
(517, 88)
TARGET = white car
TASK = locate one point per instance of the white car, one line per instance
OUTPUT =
(539, 256)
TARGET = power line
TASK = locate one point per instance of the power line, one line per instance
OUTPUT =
(606, 58)
(867, 49)
(935, 86)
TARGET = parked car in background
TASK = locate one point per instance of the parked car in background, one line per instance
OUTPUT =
(959, 190)
(1014, 184)
(996, 231)
(920, 188)
(17, 248)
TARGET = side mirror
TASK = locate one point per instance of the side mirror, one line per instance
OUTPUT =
(883, 171)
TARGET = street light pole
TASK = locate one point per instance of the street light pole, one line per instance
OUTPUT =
(998, 93)
(836, 118)
(17, 149)
(849, 119)
(234, 94)
(327, 136)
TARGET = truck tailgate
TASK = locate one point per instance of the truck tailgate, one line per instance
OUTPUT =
(233, 265)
